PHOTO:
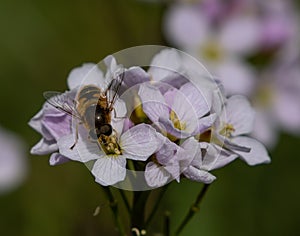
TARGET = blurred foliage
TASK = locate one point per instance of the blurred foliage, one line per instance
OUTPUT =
(41, 41)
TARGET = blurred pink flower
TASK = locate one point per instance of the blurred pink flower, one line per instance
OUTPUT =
(224, 35)
(277, 101)
(13, 161)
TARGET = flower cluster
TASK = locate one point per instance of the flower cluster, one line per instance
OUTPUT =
(251, 46)
(169, 122)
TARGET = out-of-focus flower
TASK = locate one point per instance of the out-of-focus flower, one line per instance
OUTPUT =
(220, 47)
(245, 44)
(277, 101)
(13, 161)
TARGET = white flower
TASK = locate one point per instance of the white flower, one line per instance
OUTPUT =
(237, 120)
(137, 143)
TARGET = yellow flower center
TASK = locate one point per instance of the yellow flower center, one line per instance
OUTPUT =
(176, 122)
(264, 96)
(227, 130)
(211, 51)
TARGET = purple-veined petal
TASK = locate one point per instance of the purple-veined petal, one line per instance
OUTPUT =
(44, 147)
(166, 153)
(58, 125)
(140, 140)
(84, 150)
(258, 153)
(185, 111)
(135, 75)
(200, 103)
(164, 64)
(205, 123)
(88, 73)
(191, 154)
(35, 122)
(216, 157)
(109, 170)
(239, 113)
(156, 176)
(57, 159)
(154, 104)
(168, 126)
(199, 175)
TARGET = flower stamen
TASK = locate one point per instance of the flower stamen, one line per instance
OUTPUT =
(227, 130)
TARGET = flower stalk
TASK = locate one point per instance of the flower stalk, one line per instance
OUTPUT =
(193, 209)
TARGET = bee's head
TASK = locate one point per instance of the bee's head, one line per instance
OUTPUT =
(105, 129)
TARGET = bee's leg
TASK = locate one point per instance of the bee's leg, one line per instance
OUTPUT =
(76, 136)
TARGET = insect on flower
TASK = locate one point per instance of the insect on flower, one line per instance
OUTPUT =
(92, 107)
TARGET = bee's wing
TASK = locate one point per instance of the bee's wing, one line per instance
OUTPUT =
(62, 102)
(114, 87)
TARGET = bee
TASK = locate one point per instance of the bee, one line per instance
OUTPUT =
(92, 107)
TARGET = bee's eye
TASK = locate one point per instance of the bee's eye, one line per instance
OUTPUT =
(105, 129)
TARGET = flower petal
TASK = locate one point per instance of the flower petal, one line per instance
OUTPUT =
(154, 104)
(216, 157)
(135, 75)
(164, 64)
(168, 126)
(239, 113)
(109, 170)
(258, 153)
(88, 73)
(141, 140)
(198, 175)
(200, 102)
(84, 150)
(156, 176)
(58, 125)
(57, 159)
(44, 147)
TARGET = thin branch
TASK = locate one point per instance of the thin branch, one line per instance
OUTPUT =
(157, 203)
(114, 207)
(193, 209)
(126, 203)
(167, 223)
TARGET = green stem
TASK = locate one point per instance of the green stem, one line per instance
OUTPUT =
(126, 203)
(155, 208)
(114, 208)
(167, 224)
(138, 210)
(193, 209)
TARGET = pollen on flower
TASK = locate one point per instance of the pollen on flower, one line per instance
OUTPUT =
(110, 145)
(177, 124)
(227, 130)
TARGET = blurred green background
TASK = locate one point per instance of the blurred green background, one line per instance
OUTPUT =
(41, 41)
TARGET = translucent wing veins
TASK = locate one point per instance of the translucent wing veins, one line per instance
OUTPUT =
(63, 102)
